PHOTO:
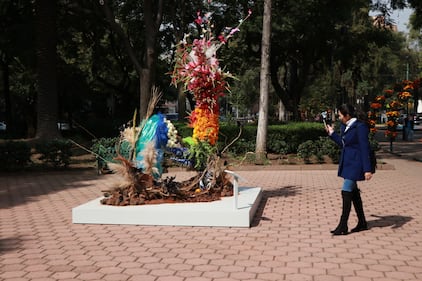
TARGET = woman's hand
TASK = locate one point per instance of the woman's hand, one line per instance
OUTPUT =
(329, 129)
(368, 176)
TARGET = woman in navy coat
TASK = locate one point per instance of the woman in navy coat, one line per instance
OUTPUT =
(354, 165)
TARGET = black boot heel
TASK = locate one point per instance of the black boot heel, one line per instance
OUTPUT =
(361, 227)
(357, 203)
(340, 231)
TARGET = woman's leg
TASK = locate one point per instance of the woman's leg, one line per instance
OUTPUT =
(357, 203)
(346, 194)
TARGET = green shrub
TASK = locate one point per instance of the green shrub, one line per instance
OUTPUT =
(276, 143)
(319, 148)
(183, 129)
(306, 150)
(105, 149)
(293, 134)
(55, 152)
(242, 146)
(14, 155)
(329, 148)
(281, 139)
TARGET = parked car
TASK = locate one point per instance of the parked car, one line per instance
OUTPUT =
(63, 126)
(418, 119)
(172, 116)
(3, 126)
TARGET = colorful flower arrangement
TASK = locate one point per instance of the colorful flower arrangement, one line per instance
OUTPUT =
(197, 68)
(392, 102)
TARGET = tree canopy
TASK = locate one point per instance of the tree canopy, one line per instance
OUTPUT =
(108, 53)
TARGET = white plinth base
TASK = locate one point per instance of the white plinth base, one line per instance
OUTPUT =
(216, 213)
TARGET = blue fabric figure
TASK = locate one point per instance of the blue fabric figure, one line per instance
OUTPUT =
(155, 129)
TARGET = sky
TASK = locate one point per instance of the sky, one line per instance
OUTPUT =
(401, 18)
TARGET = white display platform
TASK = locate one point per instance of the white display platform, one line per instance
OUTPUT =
(217, 213)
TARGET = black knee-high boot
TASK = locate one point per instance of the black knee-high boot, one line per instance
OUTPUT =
(342, 228)
(357, 203)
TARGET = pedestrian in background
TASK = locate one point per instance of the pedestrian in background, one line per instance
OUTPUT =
(410, 125)
(405, 127)
(354, 165)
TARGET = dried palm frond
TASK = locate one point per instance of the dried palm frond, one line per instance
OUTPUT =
(123, 172)
(130, 135)
(156, 95)
(149, 161)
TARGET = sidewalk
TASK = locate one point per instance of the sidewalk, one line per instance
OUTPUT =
(289, 238)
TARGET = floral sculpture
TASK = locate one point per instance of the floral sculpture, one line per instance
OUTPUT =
(197, 68)
(141, 148)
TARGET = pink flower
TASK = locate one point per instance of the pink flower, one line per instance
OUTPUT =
(234, 30)
(198, 19)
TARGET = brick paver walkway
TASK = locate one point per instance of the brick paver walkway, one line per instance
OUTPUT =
(289, 239)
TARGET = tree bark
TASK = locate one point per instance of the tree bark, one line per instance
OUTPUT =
(153, 17)
(47, 99)
(261, 136)
(6, 92)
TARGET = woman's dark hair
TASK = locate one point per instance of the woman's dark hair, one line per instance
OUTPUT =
(348, 109)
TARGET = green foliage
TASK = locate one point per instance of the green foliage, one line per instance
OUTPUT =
(55, 152)
(105, 148)
(329, 148)
(374, 144)
(318, 149)
(306, 150)
(183, 129)
(199, 153)
(243, 146)
(277, 144)
(14, 155)
(245, 91)
(293, 134)
(281, 139)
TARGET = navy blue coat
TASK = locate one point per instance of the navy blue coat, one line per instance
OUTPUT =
(355, 153)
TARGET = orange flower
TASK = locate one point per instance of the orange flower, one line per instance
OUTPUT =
(395, 104)
(404, 95)
(388, 93)
(408, 87)
(380, 98)
(205, 125)
(391, 123)
(393, 114)
(375, 105)
(391, 134)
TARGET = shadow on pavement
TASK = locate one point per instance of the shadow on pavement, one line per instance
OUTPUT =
(386, 221)
(9, 244)
(285, 191)
(21, 188)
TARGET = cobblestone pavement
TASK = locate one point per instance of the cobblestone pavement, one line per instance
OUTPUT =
(289, 238)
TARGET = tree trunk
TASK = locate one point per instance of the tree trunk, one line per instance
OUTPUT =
(261, 136)
(146, 69)
(179, 31)
(6, 92)
(47, 100)
(152, 16)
